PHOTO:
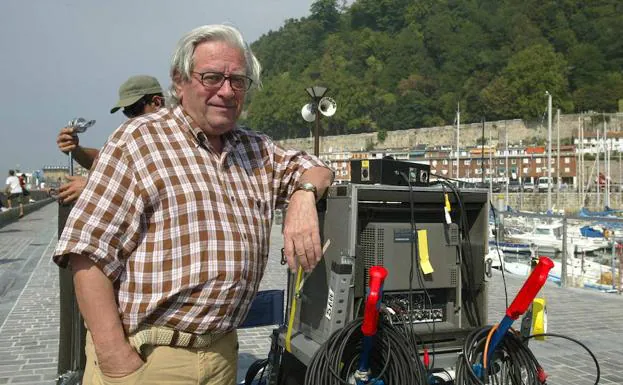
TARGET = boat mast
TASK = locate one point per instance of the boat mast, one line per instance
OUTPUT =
(458, 129)
(606, 164)
(578, 164)
(598, 166)
(506, 177)
(549, 149)
(490, 169)
(558, 157)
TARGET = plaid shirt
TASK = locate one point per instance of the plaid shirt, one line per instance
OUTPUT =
(182, 231)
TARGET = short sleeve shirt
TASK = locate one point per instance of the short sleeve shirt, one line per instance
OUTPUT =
(182, 231)
(14, 185)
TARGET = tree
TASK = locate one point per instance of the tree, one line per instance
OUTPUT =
(326, 12)
(396, 64)
(520, 88)
(587, 64)
(603, 95)
(379, 15)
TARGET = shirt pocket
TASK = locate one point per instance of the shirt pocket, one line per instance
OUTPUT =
(258, 234)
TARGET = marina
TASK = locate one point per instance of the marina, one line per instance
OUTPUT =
(586, 249)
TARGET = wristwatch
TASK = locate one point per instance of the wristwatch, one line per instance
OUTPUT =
(307, 187)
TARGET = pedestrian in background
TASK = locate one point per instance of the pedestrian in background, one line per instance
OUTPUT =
(13, 189)
(25, 192)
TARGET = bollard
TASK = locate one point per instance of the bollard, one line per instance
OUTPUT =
(72, 331)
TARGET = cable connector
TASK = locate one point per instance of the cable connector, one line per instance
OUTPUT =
(447, 208)
(387, 309)
(541, 375)
(478, 370)
(361, 376)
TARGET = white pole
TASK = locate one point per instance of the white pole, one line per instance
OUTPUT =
(506, 163)
(458, 129)
(579, 171)
(520, 176)
(558, 157)
(489, 169)
(606, 164)
(598, 167)
(582, 162)
(549, 149)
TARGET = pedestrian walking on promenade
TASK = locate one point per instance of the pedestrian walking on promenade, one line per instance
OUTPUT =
(13, 189)
(170, 237)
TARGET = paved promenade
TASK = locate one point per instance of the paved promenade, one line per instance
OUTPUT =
(29, 313)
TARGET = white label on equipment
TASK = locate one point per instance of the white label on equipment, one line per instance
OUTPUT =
(330, 300)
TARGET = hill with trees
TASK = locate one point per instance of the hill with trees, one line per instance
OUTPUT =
(399, 64)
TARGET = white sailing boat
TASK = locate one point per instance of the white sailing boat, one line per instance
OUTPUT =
(550, 236)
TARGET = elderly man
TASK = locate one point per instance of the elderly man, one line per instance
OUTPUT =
(139, 95)
(169, 240)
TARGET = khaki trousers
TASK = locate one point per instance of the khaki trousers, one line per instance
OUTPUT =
(214, 365)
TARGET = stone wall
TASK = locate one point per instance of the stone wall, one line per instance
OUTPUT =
(568, 201)
(517, 130)
(12, 215)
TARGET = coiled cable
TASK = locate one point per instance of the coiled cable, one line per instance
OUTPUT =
(393, 359)
(512, 362)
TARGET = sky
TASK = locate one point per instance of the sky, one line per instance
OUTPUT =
(63, 59)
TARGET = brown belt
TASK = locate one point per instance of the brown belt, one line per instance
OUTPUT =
(164, 336)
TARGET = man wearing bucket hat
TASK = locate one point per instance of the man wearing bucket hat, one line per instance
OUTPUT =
(139, 95)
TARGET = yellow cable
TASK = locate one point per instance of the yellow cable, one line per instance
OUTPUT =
(299, 277)
(486, 353)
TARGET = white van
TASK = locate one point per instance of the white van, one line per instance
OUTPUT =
(544, 183)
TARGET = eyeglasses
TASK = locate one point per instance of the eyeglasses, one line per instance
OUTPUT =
(215, 80)
(135, 109)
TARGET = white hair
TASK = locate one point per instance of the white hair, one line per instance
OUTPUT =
(182, 61)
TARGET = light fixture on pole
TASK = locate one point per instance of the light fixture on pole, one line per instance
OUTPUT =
(310, 112)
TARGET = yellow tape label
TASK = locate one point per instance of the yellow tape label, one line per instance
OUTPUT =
(422, 236)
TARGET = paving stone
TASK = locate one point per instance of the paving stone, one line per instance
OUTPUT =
(26, 379)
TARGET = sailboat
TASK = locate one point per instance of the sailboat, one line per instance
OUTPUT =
(549, 236)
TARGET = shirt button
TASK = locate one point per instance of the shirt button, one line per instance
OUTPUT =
(244, 236)
(233, 198)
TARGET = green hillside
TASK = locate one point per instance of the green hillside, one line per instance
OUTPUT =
(397, 64)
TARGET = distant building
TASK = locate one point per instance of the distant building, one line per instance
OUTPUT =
(54, 175)
(525, 163)
(594, 142)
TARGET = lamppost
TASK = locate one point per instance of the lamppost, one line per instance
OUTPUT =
(325, 105)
